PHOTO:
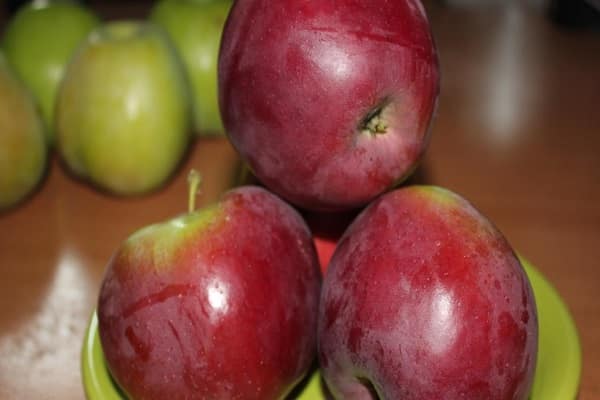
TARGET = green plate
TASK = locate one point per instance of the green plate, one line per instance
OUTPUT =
(556, 378)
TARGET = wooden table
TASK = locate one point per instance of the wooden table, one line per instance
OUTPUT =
(517, 133)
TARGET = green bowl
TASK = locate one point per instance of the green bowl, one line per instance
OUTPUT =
(556, 377)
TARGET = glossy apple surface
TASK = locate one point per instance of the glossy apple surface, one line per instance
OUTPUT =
(22, 143)
(218, 304)
(195, 26)
(329, 102)
(123, 114)
(425, 299)
(39, 41)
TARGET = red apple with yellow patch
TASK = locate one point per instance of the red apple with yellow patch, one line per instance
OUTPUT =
(220, 303)
(425, 299)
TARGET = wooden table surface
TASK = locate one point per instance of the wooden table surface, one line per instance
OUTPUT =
(517, 133)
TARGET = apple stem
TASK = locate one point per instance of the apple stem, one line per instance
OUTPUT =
(376, 125)
(374, 122)
(194, 180)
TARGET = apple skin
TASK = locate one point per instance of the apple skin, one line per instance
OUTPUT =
(39, 41)
(123, 110)
(22, 145)
(328, 102)
(221, 303)
(195, 27)
(425, 299)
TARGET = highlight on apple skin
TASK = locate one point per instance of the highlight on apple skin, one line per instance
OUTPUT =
(328, 102)
(425, 299)
(220, 303)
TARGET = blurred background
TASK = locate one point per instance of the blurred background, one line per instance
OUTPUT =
(571, 13)
(517, 132)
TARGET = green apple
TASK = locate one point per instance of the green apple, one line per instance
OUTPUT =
(39, 41)
(195, 27)
(123, 110)
(22, 143)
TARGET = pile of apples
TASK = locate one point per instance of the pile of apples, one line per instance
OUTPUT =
(329, 103)
(119, 101)
(416, 295)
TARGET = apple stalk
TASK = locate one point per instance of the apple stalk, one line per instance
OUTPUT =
(194, 180)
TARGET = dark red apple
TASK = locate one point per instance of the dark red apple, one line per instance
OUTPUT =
(425, 299)
(217, 304)
(329, 102)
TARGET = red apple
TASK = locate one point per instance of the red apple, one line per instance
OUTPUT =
(217, 304)
(329, 102)
(425, 299)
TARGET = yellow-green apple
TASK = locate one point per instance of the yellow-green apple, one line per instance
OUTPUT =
(123, 110)
(425, 299)
(39, 42)
(329, 102)
(220, 303)
(195, 26)
(22, 143)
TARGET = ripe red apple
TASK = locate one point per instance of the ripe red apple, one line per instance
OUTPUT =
(425, 299)
(329, 102)
(217, 304)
